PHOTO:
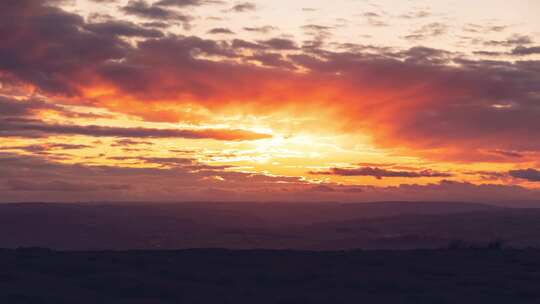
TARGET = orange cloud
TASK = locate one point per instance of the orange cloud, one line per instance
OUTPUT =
(420, 100)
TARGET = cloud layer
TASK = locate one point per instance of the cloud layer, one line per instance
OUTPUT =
(436, 106)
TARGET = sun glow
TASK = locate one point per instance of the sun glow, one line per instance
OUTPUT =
(203, 96)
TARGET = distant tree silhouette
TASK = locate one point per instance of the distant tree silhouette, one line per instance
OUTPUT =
(496, 244)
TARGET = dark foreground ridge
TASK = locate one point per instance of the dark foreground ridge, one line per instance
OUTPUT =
(489, 275)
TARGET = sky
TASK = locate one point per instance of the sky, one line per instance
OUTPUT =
(345, 100)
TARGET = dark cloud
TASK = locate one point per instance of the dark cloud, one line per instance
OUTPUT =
(484, 29)
(380, 173)
(156, 24)
(244, 7)
(67, 146)
(9, 128)
(123, 28)
(489, 175)
(490, 53)
(322, 188)
(416, 14)
(316, 27)
(430, 30)
(61, 186)
(221, 30)
(48, 47)
(522, 50)
(422, 99)
(46, 147)
(142, 9)
(243, 44)
(514, 40)
(28, 178)
(518, 42)
(126, 142)
(184, 3)
(279, 44)
(11, 108)
(164, 161)
(261, 29)
(371, 15)
(471, 96)
(189, 164)
(506, 153)
(319, 32)
(425, 55)
(374, 19)
(22, 176)
(29, 107)
(532, 175)
(18, 122)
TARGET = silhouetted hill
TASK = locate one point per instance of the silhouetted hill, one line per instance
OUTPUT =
(317, 226)
(517, 227)
(267, 277)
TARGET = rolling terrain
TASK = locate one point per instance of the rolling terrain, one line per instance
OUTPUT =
(318, 226)
(268, 277)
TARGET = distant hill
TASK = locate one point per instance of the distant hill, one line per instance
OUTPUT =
(315, 226)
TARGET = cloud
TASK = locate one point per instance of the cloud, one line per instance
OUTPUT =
(374, 19)
(123, 28)
(18, 121)
(189, 164)
(244, 7)
(142, 9)
(416, 14)
(43, 148)
(430, 30)
(322, 188)
(243, 44)
(508, 153)
(27, 108)
(380, 173)
(48, 46)
(176, 179)
(532, 175)
(30, 128)
(11, 108)
(165, 161)
(422, 102)
(484, 29)
(272, 60)
(521, 50)
(514, 40)
(316, 27)
(29, 178)
(221, 30)
(318, 32)
(126, 142)
(184, 3)
(434, 105)
(279, 44)
(260, 29)
(428, 102)
(61, 186)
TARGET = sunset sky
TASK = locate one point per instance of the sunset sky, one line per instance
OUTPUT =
(344, 100)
